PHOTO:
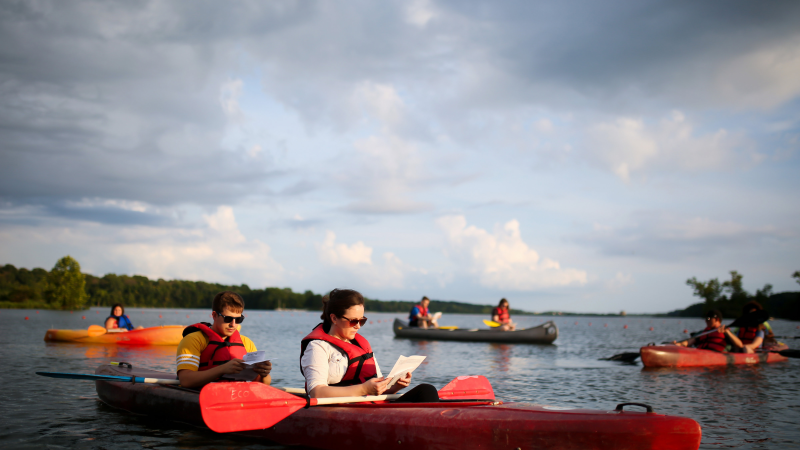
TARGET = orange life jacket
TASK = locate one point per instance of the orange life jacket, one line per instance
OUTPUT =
(219, 350)
(712, 341)
(747, 334)
(502, 315)
(360, 360)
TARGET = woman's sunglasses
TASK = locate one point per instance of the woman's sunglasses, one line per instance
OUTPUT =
(353, 322)
(229, 319)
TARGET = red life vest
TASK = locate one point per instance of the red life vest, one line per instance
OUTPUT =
(747, 334)
(503, 315)
(360, 360)
(712, 341)
(219, 350)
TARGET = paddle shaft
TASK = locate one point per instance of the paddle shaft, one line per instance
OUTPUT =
(93, 377)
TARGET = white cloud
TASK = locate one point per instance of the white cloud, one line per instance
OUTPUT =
(229, 94)
(502, 259)
(356, 259)
(619, 280)
(627, 146)
(420, 12)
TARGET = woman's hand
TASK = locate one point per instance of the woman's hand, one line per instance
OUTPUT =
(401, 383)
(375, 386)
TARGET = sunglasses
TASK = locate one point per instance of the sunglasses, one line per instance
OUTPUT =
(229, 319)
(712, 317)
(353, 322)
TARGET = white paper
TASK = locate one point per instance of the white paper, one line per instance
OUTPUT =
(404, 365)
(437, 316)
(250, 359)
(255, 357)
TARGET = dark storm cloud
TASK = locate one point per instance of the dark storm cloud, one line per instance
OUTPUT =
(120, 99)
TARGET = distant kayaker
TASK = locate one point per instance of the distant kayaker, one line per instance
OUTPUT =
(117, 320)
(210, 351)
(712, 341)
(335, 360)
(749, 339)
(420, 316)
(501, 315)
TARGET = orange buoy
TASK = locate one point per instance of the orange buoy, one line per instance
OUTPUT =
(576, 323)
(26, 317)
(160, 317)
(83, 317)
(625, 327)
(187, 316)
(685, 331)
(370, 322)
(605, 325)
(651, 328)
(590, 323)
(37, 312)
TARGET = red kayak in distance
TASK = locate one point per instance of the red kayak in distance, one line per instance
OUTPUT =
(467, 424)
(677, 356)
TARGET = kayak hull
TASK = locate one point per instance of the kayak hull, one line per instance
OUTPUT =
(676, 356)
(162, 335)
(476, 424)
(542, 334)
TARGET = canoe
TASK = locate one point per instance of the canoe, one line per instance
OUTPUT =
(545, 333)
(676, 356)
(162, 335)
(482, 424)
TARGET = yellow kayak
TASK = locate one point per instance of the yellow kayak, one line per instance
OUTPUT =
(95, 334)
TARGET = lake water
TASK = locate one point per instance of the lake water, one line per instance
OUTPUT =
(745, 407)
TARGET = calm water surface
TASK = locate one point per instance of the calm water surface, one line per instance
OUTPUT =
(738, 407)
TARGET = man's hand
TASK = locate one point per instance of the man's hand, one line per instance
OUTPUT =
(263, 368)
(235, 365)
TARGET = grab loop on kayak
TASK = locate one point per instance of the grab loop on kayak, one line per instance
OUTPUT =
(651, 344)
(623, 405)
(121, 364)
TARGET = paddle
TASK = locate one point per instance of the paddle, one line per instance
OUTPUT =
(492, 323)
(474, 387)
(750, 319)
(96, 330)
(95, 377)
(786, 337)
(229, 407)
(449, 327)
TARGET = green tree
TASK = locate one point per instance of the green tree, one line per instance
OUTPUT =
(66, 284)
(710, 291)
(796, 276)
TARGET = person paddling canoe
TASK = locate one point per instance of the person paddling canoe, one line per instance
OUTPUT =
(117, 320)
(501, 315)
(716, 340)
(335, 360)
(420, 316)
(207, 351)
(750, 339)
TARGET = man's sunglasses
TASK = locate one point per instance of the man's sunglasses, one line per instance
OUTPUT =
(712, 317)
(229, 319)
(353, 322)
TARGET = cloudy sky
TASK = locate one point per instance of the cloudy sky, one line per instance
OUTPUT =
(574, 155)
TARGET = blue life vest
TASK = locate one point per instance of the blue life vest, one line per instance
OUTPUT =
(122, 321)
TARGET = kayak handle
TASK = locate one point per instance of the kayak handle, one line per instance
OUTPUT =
(121, 364)
(623, 405)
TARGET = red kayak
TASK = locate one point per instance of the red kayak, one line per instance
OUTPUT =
(479, 424)
(676, 356)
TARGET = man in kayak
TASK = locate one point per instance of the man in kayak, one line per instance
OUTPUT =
(750, 339)
(501, 315)
(208, 352)
(117, 320)
(335, 360)
(420, 316)
(713, 337)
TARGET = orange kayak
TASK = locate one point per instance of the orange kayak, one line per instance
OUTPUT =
(675, 356)
(163, 335)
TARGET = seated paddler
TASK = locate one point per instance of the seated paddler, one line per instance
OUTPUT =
(713, 337)
(501, 314)
(335, 359)
(210, 351)
(420, 316)
(750, 339)
(117, 320)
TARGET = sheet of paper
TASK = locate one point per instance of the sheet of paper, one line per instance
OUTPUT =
(255, 357)
(437, 316)
(404, 365)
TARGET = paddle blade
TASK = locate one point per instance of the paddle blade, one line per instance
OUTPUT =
(491, 323)
(96, 330)
(790, 353)
(83, 376)
(624, 357)
(449, 327)
(752, 319)
(474, 387)
(229, 407)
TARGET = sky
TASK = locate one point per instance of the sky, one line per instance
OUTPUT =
(576, 155)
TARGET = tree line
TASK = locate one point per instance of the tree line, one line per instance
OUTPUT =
(66, 287)
(729, 297)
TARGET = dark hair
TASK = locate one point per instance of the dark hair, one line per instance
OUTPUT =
(424, 298)
(229, 299)
(336, 303)
(115, 307)
(752, 304)
(714, 313)
(501, 302)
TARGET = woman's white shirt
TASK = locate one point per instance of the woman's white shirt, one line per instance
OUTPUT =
(324, 365)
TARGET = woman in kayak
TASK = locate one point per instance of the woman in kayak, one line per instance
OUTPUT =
(712, 340)
(750, 339)
(118, 321)
(501, 315)
(338, 362)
